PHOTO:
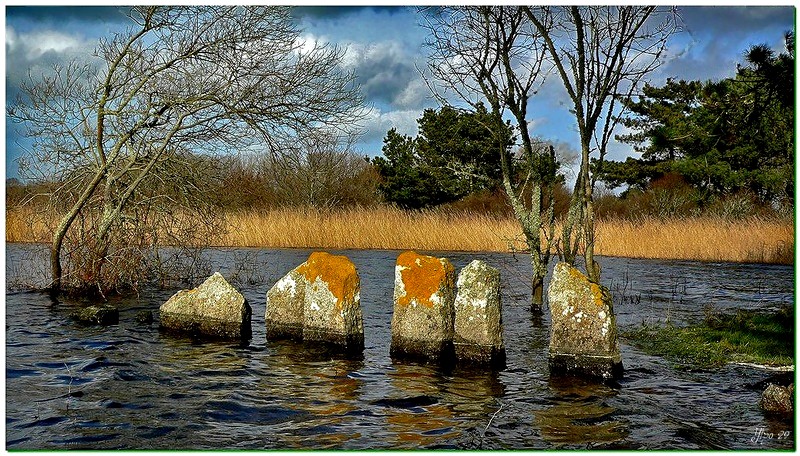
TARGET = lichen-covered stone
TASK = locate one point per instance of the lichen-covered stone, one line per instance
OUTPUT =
(332, 301)
(284, 314)
(97, 315)
(214, 309)
(583, 333)
(778, 399)
(422, 323)
(478, 329)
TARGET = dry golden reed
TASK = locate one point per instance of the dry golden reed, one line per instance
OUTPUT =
(372, 228)
(27, 224)
(698, 238)
(382, 227)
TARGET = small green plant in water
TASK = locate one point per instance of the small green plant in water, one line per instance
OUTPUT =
(746, 336)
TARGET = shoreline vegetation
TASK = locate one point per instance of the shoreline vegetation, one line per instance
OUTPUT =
(761, 338)
(701, 238)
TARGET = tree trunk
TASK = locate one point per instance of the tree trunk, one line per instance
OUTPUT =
(537, 293)
(55, 261)
(56, 270)
(592, 268)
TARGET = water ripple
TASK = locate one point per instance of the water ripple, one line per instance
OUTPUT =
(130, 386)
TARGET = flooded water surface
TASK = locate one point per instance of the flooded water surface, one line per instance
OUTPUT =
(132, 386)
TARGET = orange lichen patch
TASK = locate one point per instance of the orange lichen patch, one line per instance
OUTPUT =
(336, 271)
(595, 289)
(422, 277)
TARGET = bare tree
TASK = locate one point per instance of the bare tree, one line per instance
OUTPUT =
(321, 172)
(182, 83)
(493, 54)
(601, 54)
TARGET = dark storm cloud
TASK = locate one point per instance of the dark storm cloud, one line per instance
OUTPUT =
(333, 12)
(741, 19)
(384, 71)
(716, 39)
(101, 14)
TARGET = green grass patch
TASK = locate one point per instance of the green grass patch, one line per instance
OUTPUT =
(745, 336)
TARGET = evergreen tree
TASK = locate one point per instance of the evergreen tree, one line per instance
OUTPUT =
(736, 134)
(454, 155)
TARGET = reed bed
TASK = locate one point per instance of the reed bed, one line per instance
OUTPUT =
(754, 239)
(29, 224)
(697, 238)
(371, 228)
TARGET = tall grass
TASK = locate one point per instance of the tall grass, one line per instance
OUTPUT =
(372, 228)
(29, 224)
(691, 238)
(753, 239)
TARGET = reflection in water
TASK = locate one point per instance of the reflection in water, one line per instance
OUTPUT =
(414, 413)
(427, 405)
(579, 414)
(474, 392)
(181, 356)
(323, 386)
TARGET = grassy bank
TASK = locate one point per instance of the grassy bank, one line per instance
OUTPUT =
(746, 336)
(702, 238)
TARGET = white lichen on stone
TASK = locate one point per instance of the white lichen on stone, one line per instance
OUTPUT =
(582, 325)
(478, 315)
(286, 283)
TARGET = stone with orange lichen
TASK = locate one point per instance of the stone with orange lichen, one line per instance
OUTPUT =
(332, 302)
(422, 322)
(583, 331)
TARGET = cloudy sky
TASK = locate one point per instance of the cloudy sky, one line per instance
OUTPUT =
(385, 49)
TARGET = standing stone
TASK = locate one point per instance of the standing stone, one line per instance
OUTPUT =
(332, 301)
(422, 323)
(284, 314)
(478, 331)
(583, 334)
(778, 399)
(213, 309)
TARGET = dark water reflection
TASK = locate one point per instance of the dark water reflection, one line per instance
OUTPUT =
(132, 386)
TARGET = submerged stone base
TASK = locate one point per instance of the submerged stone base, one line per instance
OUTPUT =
(347, 343)
(276, 331)
(480, 355)
(207, 328)
(598, 367)
(778, 399)
(429, 351)
(97, 315)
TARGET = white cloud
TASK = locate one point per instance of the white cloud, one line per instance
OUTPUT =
(36, 52)
(33, 45)
(416, 93)
(308, 42)
(378, 123)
